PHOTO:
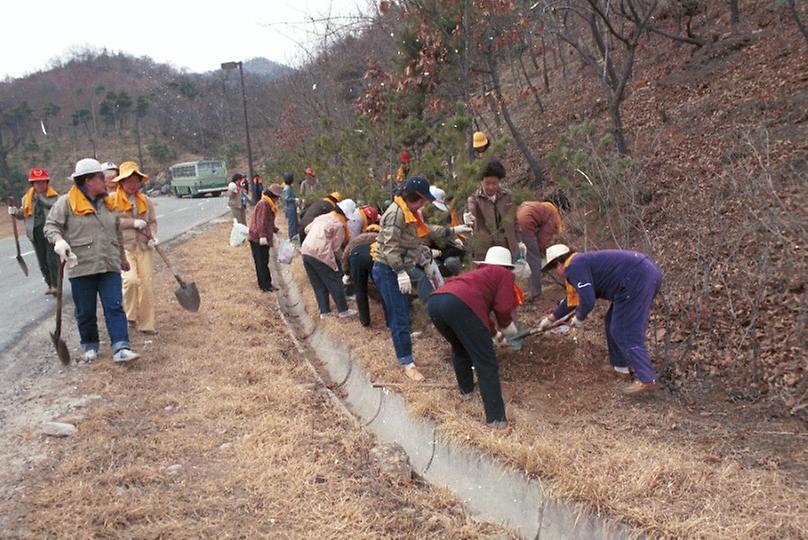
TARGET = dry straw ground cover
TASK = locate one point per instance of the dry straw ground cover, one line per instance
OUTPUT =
(223, 394)
(669, 466)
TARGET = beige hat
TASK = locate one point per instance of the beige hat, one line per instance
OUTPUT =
(498, 256)
(553, 252)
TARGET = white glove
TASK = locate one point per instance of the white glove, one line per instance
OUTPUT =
(461, 229)
(522, 250)
(458, 243)
(545, 324)
(346, 279)
(232, 187)
(263, 241)
(435, 253)
(404, 283)
(468, 218)
(62, 248)
(13, 210)
(499, 339)
(576, 322)
(153, 241)
(139, 224)
(510, 330)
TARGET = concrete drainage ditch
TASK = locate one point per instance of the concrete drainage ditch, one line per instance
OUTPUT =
(488, 488)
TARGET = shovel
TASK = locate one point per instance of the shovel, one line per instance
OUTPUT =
(20, 260)
(187, 293)
(517, 341)
(58, 342)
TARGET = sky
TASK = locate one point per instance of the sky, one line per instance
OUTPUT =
(198, 36)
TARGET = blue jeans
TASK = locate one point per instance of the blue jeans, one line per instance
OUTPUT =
(291, 220)
(398, 311)
(85, 289)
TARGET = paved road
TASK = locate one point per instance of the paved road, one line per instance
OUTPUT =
(22, 300)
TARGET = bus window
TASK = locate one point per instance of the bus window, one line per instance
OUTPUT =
(210, 168)
(183, 171)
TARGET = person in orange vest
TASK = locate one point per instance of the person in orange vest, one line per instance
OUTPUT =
(138, 222)
(540, 223)
(36, 203)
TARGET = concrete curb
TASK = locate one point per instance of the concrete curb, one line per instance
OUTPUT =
(489, 489)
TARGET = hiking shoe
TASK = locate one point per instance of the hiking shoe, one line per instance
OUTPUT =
(271, 288)
(617, 372)
(90, 356)
(498, 424)
(326, 315)
(125, 355)
(347, 313)
(467, 396)
(51, 291)
(638, 387)
(149, 332)
(412, 373)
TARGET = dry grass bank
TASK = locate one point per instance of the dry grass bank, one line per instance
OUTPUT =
(263, 452)
(668, 465)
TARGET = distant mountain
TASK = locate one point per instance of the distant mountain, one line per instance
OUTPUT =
(267, 68)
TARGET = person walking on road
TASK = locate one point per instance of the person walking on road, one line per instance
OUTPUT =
(36, 203)
(461, 310)
(262, 232)
(290, 204)
(322, 250)
(400, 243)
(630, 280)
(86, 236)
(235, 200)
(490, 212)
(540, 224)
(138, 222)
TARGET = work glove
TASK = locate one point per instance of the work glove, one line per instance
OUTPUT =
(468, 219)
(346, 279)
(458, 243)
(435, 253)
(522, 250)
(263, 241)
(13, 210)
(232, 187)
(499, 340)
(545, 324)
(510, 330)
(461, 229)
(404, 282)
(139, 224)
(62, 248)
(153, 241)
(576, 322)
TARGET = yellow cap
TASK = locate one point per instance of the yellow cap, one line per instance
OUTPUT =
(479, 140)
(128, 168)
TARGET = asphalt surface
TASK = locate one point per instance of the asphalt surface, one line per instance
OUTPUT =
(22, 299)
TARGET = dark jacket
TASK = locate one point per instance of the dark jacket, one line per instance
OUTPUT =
(495, 223)
(315, 209)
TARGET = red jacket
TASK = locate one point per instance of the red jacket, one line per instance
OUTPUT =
(541, 219)
(263, 222)
(487, 289)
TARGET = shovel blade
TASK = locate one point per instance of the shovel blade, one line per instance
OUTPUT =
(61, 349)
(188, 296)
(23, 266)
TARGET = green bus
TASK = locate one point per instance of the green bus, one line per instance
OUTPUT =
(197, 178)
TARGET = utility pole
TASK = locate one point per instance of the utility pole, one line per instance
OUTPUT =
(234, 65)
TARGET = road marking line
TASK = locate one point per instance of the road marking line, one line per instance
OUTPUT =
(23, 254)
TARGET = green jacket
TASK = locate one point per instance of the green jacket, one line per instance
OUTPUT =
(95, 239)
(398, 240)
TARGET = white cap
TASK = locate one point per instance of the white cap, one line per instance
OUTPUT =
(553, 252)
(109, 166)
(440, 198)
(347, 206)
(498, 256)
(86, 166)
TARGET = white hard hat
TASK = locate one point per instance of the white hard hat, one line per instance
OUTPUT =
(109, 166)
(498, 256)
(440, 198)
(347, 206)
(554, 252)
(86, 166)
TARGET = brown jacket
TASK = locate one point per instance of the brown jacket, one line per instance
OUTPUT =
(541, 219)
(133, 239)
(495, 222)
(263, 223)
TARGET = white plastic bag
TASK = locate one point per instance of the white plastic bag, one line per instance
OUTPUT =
(238, 234)
(286, 252)
(521, 269)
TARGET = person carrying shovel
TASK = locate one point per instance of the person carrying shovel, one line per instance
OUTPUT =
(138, 222)
(86, 236)
(36, 203)
(461, 310)
(630, 280)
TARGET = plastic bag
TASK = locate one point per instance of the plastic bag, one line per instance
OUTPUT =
(286, 252)
(521, 269)
(238, 234)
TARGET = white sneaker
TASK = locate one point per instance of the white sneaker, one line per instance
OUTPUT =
(90, 356)
(347, 313)
(125, 355)
(326, 315)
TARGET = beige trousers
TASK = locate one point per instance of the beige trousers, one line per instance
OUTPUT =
(138, 288)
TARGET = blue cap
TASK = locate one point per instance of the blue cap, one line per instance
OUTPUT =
(419, 185)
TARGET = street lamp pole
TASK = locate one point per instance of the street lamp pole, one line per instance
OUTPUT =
(233, 65)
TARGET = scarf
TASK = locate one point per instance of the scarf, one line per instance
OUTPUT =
(121, 203)
(558, 216)
(572, 295)
(28, 200)
(344, 222)
(519, 294)
(410, 218)
(80, 205)
(272, 206)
